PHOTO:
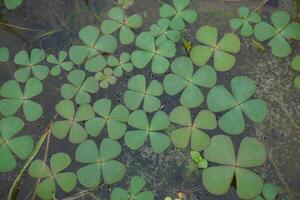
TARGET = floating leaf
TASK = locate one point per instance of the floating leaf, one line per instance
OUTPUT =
(30, 64)
(138, 92)
(251, 153)
(10, 146)
(184, 79)
(197, 158)
(154, 130)
(79, 87)
(14, 98)
(134, 192)
(278, 33)
(46, 189)
(100, 163)
(158, 53)
(190, 132)
(91, 53)
(12, 4)
(244, 22)
(221, 50)
(232, 121)
(161, 31)
(118, 20)
(59, 63)
(178, 14)
(114, 119)
(121, 65)
(270, 191)
(106, 78)
(296, 66)
(4, 54)
(72, 123)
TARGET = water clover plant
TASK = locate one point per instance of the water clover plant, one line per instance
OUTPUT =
(184, 79)
(100, 164)
(91, 54)
(162, 32)
(12, 4)
(30, 64)
(4, 54)
(198, 160)
(14, 98)
(158, 53)
(134, 192)
(278, 33)
(59, 63)
(232, 121)
(79, 87)
(159, 141)
(114, 118)
(139, 92)
(246, 18)
(119, 20)
(251, 153)
(178, 14)
(105, 78)
(122, 65)
(221, 50)
(13, 147)
(296, 66)
(189, 131)
(72, 121)
(50, 176)
(270, 192)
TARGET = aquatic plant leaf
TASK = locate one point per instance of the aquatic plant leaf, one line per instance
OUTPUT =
(59, 63)
(181, 115)
(249, 184)
(252, 153)
(211, 179)
(297, 82)
(106, 78)
(66, 109)
(205, 119)
(264, 31)
(119, 194)
(46, 189)
(113, 171)
(280, 47)
(109, 149)
(87, 152)
(145, 196)
(90, 175)
(122, 65)
(4, 54)
(59, 162)
(135, 139)
(242, 88)
(21, 146)
(66, 180)
(138, 119)
(270, 191)
(7, 160)
(255, 109)
(136, 185)
(12, 4)
(207, 35)
(38, 169)
(83, 113)
(232, 122)
(159, 142)
(296, 63)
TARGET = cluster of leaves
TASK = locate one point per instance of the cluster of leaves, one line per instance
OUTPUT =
(296, 66)
(134, 192)
(59, 63)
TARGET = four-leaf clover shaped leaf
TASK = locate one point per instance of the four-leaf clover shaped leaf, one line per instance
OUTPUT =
(159, 141)
(184, 79)
(245, 20)
(118, 20)
(251, 153)
(232, 121)
(161, 31)
(79, 87)
(179, 13)
(115, 119)
(134, 192)
(279, 33)
(10, 146)
(46, 189)
(188, 131)
(158, 53)
(101, 165)
(106, 78)
(220, 50)
(71, 124)
(95, 47)
(30, 64)
(59, 63)
(14, 98)
(139, 92)
(121, 65)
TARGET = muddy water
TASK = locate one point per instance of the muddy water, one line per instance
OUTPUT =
(54, 27)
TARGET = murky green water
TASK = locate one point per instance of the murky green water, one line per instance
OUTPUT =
(55, 25)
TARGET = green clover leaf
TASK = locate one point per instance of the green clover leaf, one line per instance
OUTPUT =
(121, 65)
(296, 66)
(251, 153)
(232, 121)
(184, 79)
(158, 140)
(106, 78)
(14, 98)
(100, 163)
(10, 146)
(59, 63)
(118, 20)
(138, 92)
(4, 54)
(12, 4)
